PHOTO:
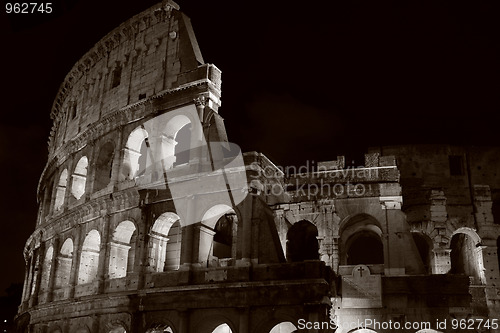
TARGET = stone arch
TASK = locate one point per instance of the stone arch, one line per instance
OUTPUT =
(116, 75)
(89, 258)
(218, 241)
(61, 190)
(466, 255)
(64, 262)
(162, 256)
(176, 146)
(212, 214)
(359, 233)
(132, 152)
(280, 316)
(122, 250)
(215, 324)
(47, 197)
(46, 268)
(79, 178)
(284, 327)
(82, 329)
(222, 328)
(183, 145)
(302, 242)
(424, 246)
(104, 166)
(115, 326)
(117, 329)
(160, 328)
(173, 254)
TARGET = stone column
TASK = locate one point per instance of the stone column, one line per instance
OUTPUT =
(188, 243)
(142, 244)
(335, 253)
(441, 261)
(246, 225)
(37, 275)
(244, 320)
(118, 157)
(164, 154)
(75, 262)
(234, 245)
(29, 278)
(202, 244)
(183, 321)
(27, 282)
(130, 164)
(53, 269)
(255, 240)
(103, 265)
(391, 237)
(326, 245)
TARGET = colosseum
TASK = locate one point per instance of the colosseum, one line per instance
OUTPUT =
(150, 220)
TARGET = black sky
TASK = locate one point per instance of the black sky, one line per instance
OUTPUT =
(301, 81)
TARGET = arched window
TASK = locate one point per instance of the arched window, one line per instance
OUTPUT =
(466, 257)
(122, 252)
(423, 244)
(46, 267)
(173, 255)
(34, 275)
(176, 141)
(79, 178)
(89, 259)
(361, 241)
(47, 198)
(217, 244)
(117, 328)
(61, 190)
(161, 244)
(104, 165)
(284, 327)
(160, 328)
(116, 76)
(364, 247)
(183, 145)
(64, 261)
(302, 242)
(223, 328)
(135, 154)
(223, 238)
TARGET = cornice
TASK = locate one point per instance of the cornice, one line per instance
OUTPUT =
(125, 115)
(89, 211)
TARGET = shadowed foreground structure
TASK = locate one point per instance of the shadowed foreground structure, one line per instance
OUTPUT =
(150, 221)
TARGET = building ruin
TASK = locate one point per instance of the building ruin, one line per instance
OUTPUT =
(151, 221)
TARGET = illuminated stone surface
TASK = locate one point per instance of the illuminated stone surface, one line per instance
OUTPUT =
(149, 221)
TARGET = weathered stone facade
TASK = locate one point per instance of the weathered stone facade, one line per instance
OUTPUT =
(135, 234)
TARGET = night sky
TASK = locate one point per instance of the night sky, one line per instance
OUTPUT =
(302, 80)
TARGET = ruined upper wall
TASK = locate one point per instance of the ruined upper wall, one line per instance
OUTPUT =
(454, 171)
(152, 52)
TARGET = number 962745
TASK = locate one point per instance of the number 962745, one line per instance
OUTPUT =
(28, 7)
